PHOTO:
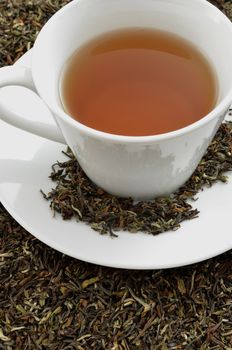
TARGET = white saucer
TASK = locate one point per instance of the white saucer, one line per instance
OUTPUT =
(25, 164)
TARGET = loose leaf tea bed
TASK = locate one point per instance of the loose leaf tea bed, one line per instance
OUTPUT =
(51, 301)
(77, 196)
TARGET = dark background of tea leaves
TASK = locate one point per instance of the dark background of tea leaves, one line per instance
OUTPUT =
(51, 301)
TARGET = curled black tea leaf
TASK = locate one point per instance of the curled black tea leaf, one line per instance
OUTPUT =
(75, 195)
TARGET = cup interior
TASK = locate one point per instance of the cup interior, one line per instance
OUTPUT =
(197, 21)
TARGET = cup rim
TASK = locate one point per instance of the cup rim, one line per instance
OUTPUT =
(60, 113)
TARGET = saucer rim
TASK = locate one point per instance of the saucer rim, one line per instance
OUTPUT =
(130, 264)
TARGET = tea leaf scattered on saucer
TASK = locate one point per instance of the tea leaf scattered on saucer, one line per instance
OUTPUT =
(76, 196)
(188, 308)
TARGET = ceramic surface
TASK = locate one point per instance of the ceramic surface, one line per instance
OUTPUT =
(141, 167)
(25, 162)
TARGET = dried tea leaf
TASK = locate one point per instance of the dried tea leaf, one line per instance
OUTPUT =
(76, 196)
(3, 337)
(181, 286)
(99, 318)
(87, 283)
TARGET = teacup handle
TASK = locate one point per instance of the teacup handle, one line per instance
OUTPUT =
(21, 76)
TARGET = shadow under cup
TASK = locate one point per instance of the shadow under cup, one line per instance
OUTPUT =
(151, 166)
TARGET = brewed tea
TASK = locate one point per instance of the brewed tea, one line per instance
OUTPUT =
(138, 82)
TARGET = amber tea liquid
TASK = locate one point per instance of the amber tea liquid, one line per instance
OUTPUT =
(138, 82)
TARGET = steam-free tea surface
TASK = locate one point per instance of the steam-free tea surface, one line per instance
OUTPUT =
(138, 82)
(25, 169)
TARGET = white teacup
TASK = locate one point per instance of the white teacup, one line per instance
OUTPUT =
(142, 167)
